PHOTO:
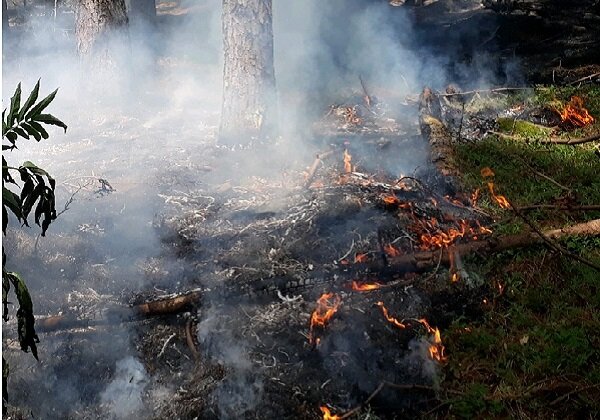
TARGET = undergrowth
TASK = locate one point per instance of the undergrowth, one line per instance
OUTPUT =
(535, 353)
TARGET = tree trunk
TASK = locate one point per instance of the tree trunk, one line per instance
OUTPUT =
(95, 22)
(142, 11)
(249, 96)
(4, 17)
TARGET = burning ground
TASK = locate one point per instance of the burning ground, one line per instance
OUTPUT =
(323, 283)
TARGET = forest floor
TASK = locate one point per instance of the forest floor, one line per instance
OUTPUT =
(523, 343)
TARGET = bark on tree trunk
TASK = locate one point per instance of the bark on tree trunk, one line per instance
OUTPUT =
(4, 17)
(141, 11)
(249, 96)
(95, 21)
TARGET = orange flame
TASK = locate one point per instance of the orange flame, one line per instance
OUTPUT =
(347, 162)
(327, 306)
(327, 414)
(500, 199)
(390, 318)
(360, 258)
(391, 250)
(391, 199)
(475, 197)
(364, 287)
(436, 349)
(575, 113)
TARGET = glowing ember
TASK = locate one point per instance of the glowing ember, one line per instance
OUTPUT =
(391, 251)
(575, 113)
(364, 287)
(454, 277)
(327, 414)
(391, 199)
(360, 258)
(390, 318)
(347, 162)
(327, 306)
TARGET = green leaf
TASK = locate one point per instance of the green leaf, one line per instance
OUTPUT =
(30, 200)
(15, 103)
(32, 131)
(12, 201)
(21, 132)
(25, 320)
(30, 101)
(36, 110)
(11, 136)
(40, 129)
(51, 120)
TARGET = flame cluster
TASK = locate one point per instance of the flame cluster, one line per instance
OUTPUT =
(436, 348)
(437, 238)
(327, 305)
(575, 113)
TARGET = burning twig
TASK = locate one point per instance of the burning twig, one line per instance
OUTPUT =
(575, 114)
(367, 97)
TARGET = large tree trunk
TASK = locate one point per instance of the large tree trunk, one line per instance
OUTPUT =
(95, 22)
(142, 11)
(249, 96)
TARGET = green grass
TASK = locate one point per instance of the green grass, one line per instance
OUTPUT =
(535, 353)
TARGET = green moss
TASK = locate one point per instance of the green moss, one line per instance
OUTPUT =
(524, 129)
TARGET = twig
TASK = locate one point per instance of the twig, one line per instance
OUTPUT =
(540, 174)
(575, 391)
(581, 140)
(553, 245)
(560, 207)
(583, 79)
(471, 92)
(313, 168)
(164, 347)
(189, 338)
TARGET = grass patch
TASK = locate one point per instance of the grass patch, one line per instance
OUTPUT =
(536, 350)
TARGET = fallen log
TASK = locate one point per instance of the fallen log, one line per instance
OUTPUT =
(163, 305)
(436, 134)
(422, 261)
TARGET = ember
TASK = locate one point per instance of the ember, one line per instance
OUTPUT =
(391, 250)
(360, 258)
(575, 113)
(327, 306)
(364, 287)
(327, 414)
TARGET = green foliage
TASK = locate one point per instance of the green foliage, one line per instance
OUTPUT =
(25, 189)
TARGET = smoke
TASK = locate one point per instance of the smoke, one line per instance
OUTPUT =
(124, 393)
(242, 388)
(148, 125)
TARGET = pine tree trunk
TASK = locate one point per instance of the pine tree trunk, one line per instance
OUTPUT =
(142, 11)
(96, 21)
(249, 95)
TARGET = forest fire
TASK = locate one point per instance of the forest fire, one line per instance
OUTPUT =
(575, 113)
(327, 306)
(365, 287)
(327, 414)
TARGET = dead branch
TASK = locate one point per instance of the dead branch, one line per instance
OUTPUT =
(496, 90)
(421, 261)
(565, 207)
(572, 142)
(313, 168)
(436, 133)
(163, 305)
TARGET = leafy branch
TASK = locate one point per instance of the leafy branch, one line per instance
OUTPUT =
(25, 189)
